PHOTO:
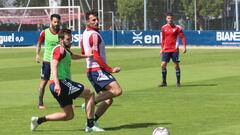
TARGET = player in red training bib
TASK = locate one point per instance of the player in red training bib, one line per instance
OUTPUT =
(98, 72)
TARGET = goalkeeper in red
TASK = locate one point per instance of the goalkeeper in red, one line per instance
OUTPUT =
(170, 48)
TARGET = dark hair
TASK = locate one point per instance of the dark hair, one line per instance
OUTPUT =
(64, 32)
(56, 16)
(169, 14)
(91, 12)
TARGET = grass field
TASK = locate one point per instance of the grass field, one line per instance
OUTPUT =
(208, 103)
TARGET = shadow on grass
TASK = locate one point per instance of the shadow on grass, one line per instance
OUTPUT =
(59, 130)
(198, 85)
(189, 85)
(127, 126)
(79, 106)
(135, 125)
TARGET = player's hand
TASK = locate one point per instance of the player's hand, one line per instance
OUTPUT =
(161, 51)
(37, 58)
(88, 55)
(57, 89)
(116, 69)
(184, 50)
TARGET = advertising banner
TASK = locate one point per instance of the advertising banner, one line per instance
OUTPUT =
(130, 38)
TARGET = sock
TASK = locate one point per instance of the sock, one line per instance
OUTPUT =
(41, 120)
(96, 117)
(178, 74)
(90, 122)
(164, 75)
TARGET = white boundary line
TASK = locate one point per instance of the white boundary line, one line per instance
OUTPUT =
(148, 47)
(188, 47)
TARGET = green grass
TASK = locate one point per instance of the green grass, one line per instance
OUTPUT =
(208, 103)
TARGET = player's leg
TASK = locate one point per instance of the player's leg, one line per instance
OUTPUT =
(105, 85)
(45, 75)
(106, 98)
(102, 108)
(176, 60)
(112, 90)
(41, 92)
(90, 108)
(164, 74)
(67, 114)
(88, 95)
(107, 88)
(64, 100)
(75, 90)
(165, 60)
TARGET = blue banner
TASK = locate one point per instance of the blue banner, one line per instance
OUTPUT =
(18, 38)
(128, 38)
(26, 38)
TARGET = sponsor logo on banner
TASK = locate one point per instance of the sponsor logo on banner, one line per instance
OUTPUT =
(148, 39)
(10, 38)
(76, 37)
(137, 38)
(228, 38)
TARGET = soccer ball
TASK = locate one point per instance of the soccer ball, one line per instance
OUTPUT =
(161, 131)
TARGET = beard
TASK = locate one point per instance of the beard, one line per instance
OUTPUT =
(56, 28)
(97, 24)
(67, 46)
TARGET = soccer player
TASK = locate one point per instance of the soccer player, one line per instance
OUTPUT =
(50, 38)
(170, 48)
(63, 89)
(98, 72)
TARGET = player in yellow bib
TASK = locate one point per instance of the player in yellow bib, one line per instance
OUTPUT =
(50, 38)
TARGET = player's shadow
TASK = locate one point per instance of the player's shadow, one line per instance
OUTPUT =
(135, 125)
(127, 126)
(58, 130)
(79, 106)
(198, 85)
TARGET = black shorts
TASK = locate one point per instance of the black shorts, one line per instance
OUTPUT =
(45, 71)
(166, 56)
(69, 90)
(100, 79)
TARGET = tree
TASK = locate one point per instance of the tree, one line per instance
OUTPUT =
(156, 13)
(205, 9)
(131, 12)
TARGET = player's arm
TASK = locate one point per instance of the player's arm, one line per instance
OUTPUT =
(54, 73)
(94, 43)
(181, 34)
(38, 47)
(103, 65)
(79, 56)
(58, 54)
(82, 55)
(162, 40)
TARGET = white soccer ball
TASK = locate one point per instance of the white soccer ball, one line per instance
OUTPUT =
(161, 131)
